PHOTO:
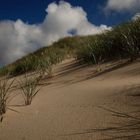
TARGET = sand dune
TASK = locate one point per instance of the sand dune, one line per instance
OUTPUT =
(77, 104)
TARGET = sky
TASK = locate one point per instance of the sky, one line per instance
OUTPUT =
(27, 25)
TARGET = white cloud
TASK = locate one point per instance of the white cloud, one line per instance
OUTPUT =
(123, 5)
(18, 38)
(136, 16)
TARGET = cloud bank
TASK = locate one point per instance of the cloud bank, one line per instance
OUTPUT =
(18, 38)
(123, 5)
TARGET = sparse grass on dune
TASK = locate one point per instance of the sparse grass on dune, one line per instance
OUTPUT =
(5, 95)
(123, 41)
(28, 86)
(45, 57)
(45, 67)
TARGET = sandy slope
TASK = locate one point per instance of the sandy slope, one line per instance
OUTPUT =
(74, 104)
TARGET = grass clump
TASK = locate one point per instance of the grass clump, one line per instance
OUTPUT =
(45, 67)
(5, 95)
(29, 88)
(123, 41)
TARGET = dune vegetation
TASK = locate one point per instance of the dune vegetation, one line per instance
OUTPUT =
(29, 88)
(5, 95)
(121, 42)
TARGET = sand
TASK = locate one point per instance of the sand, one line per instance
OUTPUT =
(76, 104)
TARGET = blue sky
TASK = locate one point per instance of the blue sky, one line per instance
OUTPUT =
(27, 25)
(33, 11)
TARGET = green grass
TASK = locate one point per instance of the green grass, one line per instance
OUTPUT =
(123, 41)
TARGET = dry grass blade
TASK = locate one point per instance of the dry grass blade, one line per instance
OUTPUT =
(29, 88)
(5, 95)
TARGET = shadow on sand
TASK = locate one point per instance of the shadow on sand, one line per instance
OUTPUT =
(128, 129)
(75, 68)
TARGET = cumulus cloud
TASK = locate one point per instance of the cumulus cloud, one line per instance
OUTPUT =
(122, 5)
(18, 38)
(136, 16)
